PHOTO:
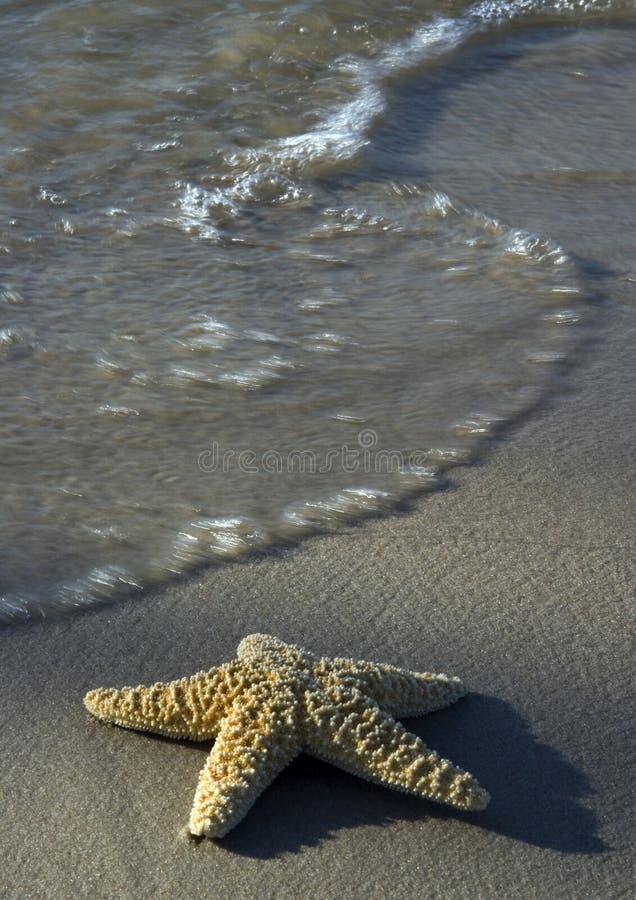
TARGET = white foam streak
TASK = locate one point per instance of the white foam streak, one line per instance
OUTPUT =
(344, 131)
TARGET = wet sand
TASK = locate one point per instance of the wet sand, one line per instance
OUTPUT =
(518, 579)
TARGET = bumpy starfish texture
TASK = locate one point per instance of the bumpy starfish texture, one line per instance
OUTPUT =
(276, 700)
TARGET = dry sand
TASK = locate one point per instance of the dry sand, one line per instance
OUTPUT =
(519, 580)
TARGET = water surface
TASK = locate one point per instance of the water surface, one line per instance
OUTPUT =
(253, 282)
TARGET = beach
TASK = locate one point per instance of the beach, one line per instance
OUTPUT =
(517, 576)
(519, 580)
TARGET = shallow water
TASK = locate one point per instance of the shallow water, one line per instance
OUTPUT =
(258, 278)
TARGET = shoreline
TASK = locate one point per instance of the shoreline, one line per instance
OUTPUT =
(519, 579)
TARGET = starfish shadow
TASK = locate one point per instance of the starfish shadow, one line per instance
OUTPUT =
(537, 794)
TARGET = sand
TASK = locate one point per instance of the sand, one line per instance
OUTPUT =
(518, 579)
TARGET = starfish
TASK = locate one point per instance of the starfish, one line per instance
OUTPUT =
(274, 701)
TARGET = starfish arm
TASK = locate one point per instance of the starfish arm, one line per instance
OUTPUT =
(352, 732)
(400, 692)
(257, 739)
(188, 708)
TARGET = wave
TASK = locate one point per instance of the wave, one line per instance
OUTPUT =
(294, 202)
(273, 172)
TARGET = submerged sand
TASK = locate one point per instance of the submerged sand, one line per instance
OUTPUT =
(519, 580)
